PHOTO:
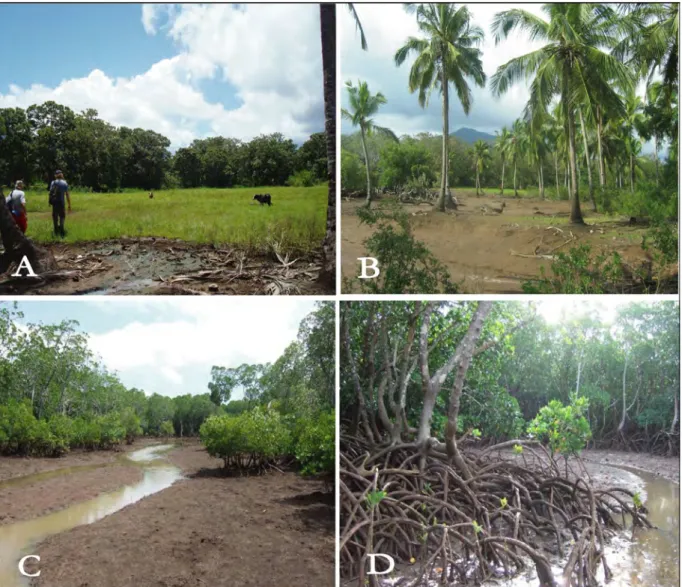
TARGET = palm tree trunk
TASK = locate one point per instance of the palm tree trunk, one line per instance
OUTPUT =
(328, 35)
(516, 194)
(368, 200)
(587, 160)
(600, 154)
(556, 171)
(576, 214)
(502, 182)
(632, 173)
(542, 182)
(445, 200)
(656, 156)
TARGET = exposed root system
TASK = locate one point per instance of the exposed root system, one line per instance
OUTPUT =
(489, 522)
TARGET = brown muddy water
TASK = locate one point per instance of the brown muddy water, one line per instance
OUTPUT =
(645, 558)
(18, 540)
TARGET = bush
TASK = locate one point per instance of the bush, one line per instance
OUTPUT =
(565, 428)
(61, 428)
(166, 429)
(406, 265)
(131, 425)
(579, 273)
(301, 179)
(250, 440)
(315, 444)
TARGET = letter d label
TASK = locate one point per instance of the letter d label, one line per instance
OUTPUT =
(372, 562)
(367, 263)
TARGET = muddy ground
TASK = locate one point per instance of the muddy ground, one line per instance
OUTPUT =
(207, 529)
(666, 467)
(163, 266)
(489, 252)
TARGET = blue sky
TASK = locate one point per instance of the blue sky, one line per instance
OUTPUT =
(168, 346)
(186, 71)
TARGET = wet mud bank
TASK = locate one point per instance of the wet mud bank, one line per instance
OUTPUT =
(170, 267)
(203, 529)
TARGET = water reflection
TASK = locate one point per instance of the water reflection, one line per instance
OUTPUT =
(16, 539)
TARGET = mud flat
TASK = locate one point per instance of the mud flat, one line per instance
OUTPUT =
(496, 253)
(202, 529)
(163, 266)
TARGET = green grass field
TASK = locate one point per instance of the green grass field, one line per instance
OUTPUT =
(296, 220)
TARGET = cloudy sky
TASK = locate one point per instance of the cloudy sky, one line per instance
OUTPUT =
(185, 71)
(168, 346)
(387, 27)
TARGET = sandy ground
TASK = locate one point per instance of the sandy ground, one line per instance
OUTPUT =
(169, 267)
(666, 467)
(206, 530)
(481, 249)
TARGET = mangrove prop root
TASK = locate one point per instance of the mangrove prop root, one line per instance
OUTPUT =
(512, 511)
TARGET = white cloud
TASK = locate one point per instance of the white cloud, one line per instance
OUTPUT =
(275, 69)
(162, 356)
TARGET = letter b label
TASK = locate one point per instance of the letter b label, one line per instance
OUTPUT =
(368, 264)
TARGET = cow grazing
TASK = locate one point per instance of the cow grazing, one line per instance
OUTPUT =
(263, 199)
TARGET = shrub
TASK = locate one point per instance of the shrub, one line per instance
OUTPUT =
(406, 265)
(166, 429)
(61, 428)
(315, 444)
(565, 428)
(301, 179)
(579, 273)
(112, 431)
(250, 440)
(131, 425)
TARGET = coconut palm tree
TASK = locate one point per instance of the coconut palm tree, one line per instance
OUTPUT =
(571, 65)
(516, 148)
(481, 159)
(447, 54)
(503, 143)
(328, 37)
(358, 26)
(363, 106)
(631, 123)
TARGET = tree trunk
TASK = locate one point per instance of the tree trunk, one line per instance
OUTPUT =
(556, 171)
(17, 245)
(328, 34)
(445, 200)
(656, 156)
(368, 200)
(576, 214)
(625, 406)
(600, 154)
(587, 160)
(516, 193)
(502, 182)
(632, 173)
(676, 415)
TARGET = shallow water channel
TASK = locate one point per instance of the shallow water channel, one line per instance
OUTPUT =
(19, 539)
(647, 558)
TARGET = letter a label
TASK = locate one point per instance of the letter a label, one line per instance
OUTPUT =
(24, 265)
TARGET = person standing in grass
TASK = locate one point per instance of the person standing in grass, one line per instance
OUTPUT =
(16, 202)
(59, 190)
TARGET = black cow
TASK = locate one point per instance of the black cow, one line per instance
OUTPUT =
(263, 199)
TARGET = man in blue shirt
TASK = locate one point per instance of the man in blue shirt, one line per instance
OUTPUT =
(59, 189)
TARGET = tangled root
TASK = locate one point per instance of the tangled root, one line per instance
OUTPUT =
(466, 531)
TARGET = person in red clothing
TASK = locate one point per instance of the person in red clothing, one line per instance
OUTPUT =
(16, 202)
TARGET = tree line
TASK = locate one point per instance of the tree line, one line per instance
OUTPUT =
(287, 406)
(399, 381)
(96, 155)
(583, 125)
(55, 395)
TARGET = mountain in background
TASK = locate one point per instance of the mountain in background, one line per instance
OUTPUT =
(470, 135)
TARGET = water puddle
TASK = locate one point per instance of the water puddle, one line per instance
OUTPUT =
(17, 539)
(129, 287)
